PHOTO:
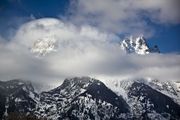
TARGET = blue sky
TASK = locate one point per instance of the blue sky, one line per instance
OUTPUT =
(15, 12)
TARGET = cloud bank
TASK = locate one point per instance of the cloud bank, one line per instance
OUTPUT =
(126, 16)
(80, 51)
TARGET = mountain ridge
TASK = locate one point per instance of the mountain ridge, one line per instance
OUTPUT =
(88, 98)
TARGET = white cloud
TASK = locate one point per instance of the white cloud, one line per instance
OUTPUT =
(126, 16)
(83, 51)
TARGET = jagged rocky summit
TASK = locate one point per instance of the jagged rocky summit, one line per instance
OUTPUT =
(138, 45)
(84, 98)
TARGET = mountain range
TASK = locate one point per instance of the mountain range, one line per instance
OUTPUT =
(85, 98)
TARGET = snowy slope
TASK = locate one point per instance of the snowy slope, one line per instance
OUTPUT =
(145, 95)
(168, 88)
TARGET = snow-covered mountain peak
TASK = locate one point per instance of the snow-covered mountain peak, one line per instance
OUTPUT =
(84, 80)
(137, 45)
(44, 45)
(76, 84)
